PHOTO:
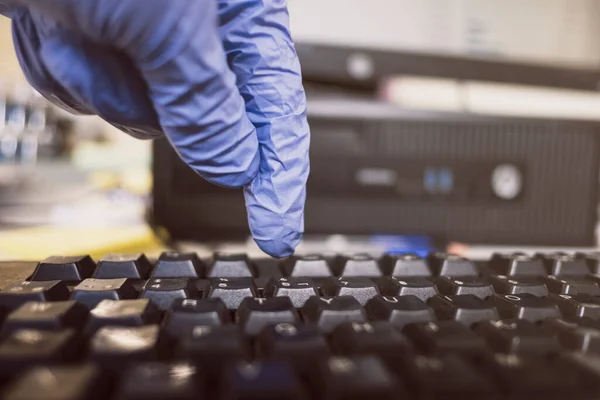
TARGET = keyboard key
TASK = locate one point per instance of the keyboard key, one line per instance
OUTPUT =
(114, 347)
(517, 337)
(399, 310)
(186, 313)
(577, 305)
(362, 289)
(379, 339)
(365, 377)
(232, 290)
(179, 265)
(467, 309)
(92, 291)
(254, 314)
(467, 285)
(443, 264)
(571, 285)
(562, 264)
(405, 265)
(520, 377)
(446, 376)
(16, 294)
(124, 313)
(164, 291)
(154, 381)
(311, 266)
(212, 347)
(64, 268)
(420, 287)
(329, 312)
(297, 289)
(517, 285)
(26, 348)
(298, 344)
(525, 306)
(574, 337)
(592, 259)
(113, 266)
(46, 316)
(443, 337)
(356, 265)
(516, 264)
(230, 266)
(262, 380)
(80, 382)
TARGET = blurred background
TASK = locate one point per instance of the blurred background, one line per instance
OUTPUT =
(463, 124)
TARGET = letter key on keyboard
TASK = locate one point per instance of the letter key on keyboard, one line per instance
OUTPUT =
(64, 268)
(377, 338)
(571, 285)
(122, 313)
(187, 313)
(525, 306)
(17, 294)
(164, 291)
(561, 264)
(46, 316)
(297, 289)
(329, 312)
(405, 265)
(467, 285)
(399, 310)
(517, 264)
(254, 314)
(577, 305)
(517, 336)
(467, 308)
(444, 337)
(232, 290)
(296, 343)
(312, 266)
(362, 289)
(516, 285)
(176, 265)
(420, 287)
(26, 348)
(114, 347)
(230, 266)
(113, 266)
(443, 264)
(213, 347)
(92, 291)
(356, 265)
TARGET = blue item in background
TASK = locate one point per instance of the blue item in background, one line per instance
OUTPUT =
(402, 244)
(221, 80)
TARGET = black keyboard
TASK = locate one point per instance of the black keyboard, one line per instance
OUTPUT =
(310, 327)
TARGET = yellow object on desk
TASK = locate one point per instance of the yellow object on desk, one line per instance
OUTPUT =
(37, 243)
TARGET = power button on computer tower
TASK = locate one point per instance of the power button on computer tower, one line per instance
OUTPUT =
(507, 181)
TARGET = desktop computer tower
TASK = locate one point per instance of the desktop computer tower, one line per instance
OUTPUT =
(379, 170)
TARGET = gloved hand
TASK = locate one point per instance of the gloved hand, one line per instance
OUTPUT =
(219, 78)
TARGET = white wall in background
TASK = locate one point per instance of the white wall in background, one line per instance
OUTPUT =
(563, 32)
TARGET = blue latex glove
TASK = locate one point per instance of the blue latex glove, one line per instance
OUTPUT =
(220, 78)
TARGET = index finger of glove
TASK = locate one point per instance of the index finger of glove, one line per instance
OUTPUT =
(261, 53)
